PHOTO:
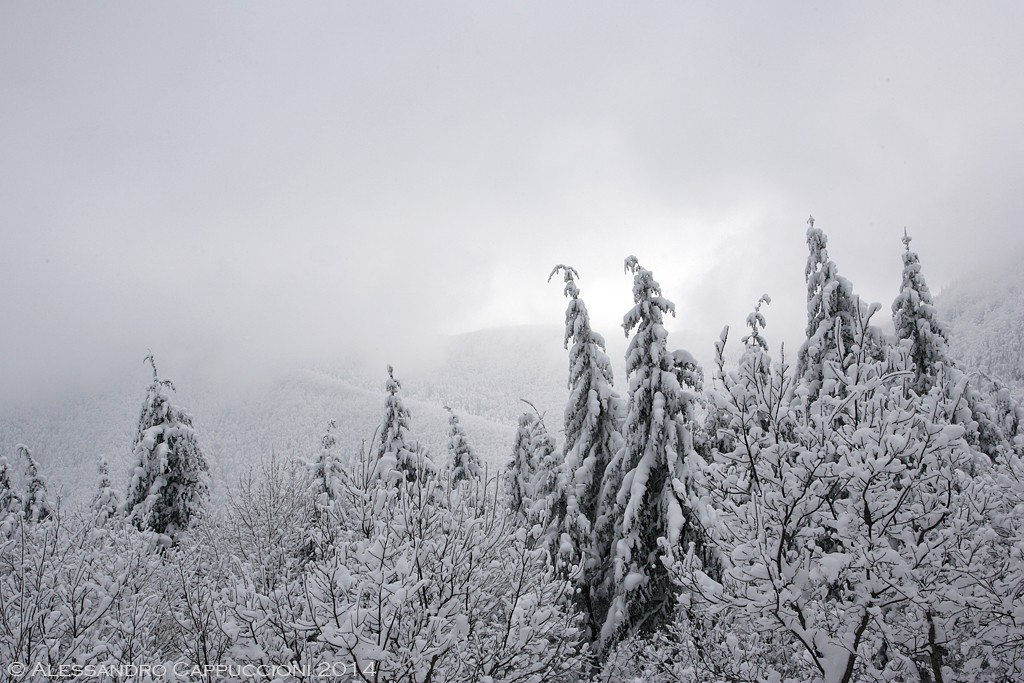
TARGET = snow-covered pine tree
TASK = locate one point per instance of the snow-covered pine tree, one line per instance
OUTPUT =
(395, 424)
(325, 471)
(463, 462)
(35, 505)
(832, 310)
(519, 472)
(395, 456)
(10, 498)
(649, 480)
(917, 323)
(169, 478)
(593, 418)
(107, 500)
(548, 489)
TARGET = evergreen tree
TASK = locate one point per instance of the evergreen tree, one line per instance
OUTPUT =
(36, 507)
(521, 468)
(106, 501)
(832, 315)
(593, 415)
(325, 471)
(10, 499)
(168, 486)
(649, 480)
(395, 455)
(917, 323)
(926, 341)
(463, 463)
(395, 424)
(547, 488)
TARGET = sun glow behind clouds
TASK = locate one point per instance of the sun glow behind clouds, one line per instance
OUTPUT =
(700, 263)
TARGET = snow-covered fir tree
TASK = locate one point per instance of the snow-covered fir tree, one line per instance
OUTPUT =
(648, 484)
(593, 418)
(107, 500)
(10, 498)
(534, 480)
(36, 507)
(7, 492)
(916, 321)
(547, 489)
(395, 424)
(521, 468)
(326, 473)
(463, 462)
(169, 478)
(983, 413)
(396, 457)
(832, 309)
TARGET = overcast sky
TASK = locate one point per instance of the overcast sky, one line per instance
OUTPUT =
(257, 181)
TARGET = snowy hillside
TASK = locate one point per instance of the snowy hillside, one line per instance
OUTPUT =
(985, 312)
(481, 375)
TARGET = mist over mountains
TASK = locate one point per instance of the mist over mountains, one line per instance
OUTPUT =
(985, 312)
(481, 375)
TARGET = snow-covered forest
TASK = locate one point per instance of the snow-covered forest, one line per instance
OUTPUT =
(852, 510)
(985, 310)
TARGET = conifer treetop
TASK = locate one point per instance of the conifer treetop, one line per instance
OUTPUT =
(650, 305)
(832, 309)
(169, 483)
(593, 415)
(648, 484)
(463, 463)
(916, 321)
(577, 319)
(396, 418)
(37, 507)
(756, 322)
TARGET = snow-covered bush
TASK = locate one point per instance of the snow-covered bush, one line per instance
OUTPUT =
(268, 517)
(427, 581)
(72, 593)
(859, 532)
(435, 583)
